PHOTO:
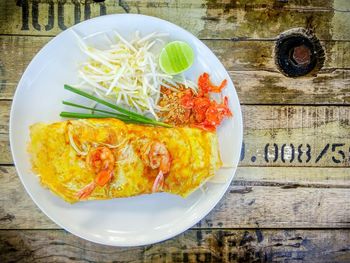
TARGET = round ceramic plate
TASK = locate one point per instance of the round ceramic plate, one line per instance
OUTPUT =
(131, 221)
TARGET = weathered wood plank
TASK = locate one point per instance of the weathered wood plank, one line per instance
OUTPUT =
(17, 194)
(264, 197)
(293, 177)
(5, 107)
(261, 196)
(5, 151)
(206, 19)
(277, 135)
(266, 87)
(296, 136)
(192, 246)
(250, 64)
(280, 207)
(235, 55)
(259, 55)
(18, 52)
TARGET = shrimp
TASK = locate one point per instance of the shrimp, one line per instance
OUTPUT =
(101, 161)
(159, 158)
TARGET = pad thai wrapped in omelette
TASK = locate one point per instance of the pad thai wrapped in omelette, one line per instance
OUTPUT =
(95, 159)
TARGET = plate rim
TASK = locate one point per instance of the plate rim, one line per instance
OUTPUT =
(179, 230)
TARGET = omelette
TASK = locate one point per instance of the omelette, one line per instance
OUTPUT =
(98, 159)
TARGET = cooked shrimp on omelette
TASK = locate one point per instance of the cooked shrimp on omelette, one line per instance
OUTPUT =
(157, 156)
(97, 159)
(100, 160)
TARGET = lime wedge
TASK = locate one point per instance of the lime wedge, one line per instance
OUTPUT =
(176, 57)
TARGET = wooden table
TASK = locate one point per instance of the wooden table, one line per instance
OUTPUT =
(285, 207)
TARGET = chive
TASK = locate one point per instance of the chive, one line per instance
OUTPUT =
(78, 115)
(67, 114)
(106, 103)
(122, 117)
(93, 109)
(132, 115)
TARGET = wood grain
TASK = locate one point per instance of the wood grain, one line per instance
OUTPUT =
(259, 55)
(206, 19)
(192, 246)
(19, 52)
(266, 87)
(304, 189)
(5, 107)
(293, 177)
(276, 135)
(264, 197)
(250, 65)
(5, 151)
(304, 131)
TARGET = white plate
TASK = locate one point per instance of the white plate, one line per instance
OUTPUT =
(132, 221)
